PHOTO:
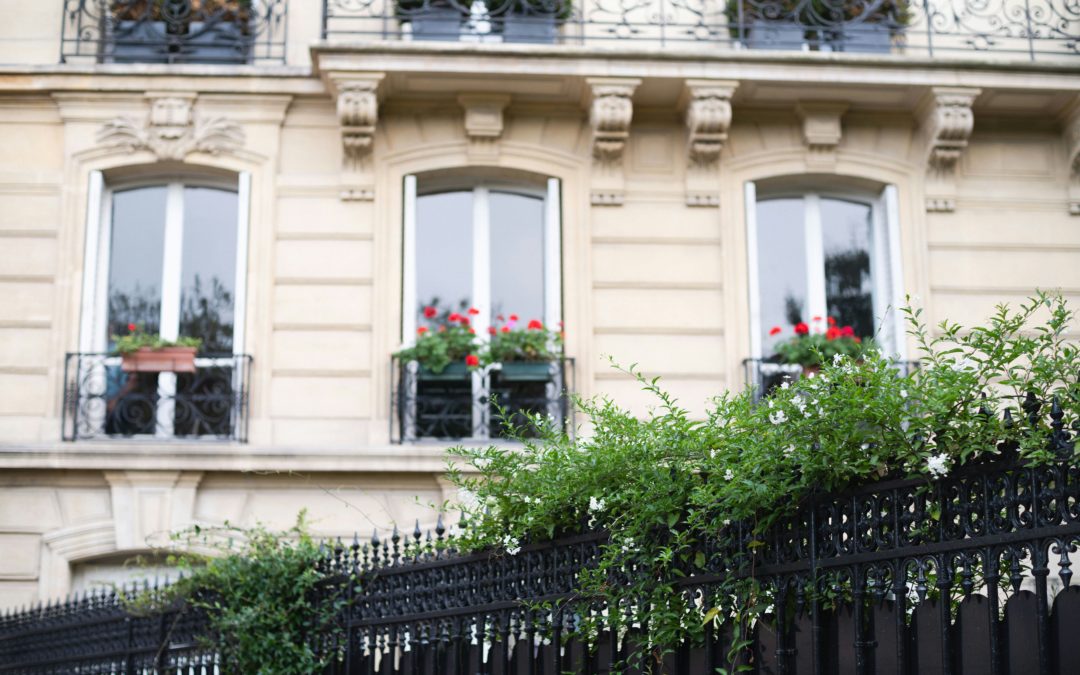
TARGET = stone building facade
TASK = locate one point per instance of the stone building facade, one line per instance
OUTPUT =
(663, 198)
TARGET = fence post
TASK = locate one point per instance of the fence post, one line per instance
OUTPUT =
(815, 606)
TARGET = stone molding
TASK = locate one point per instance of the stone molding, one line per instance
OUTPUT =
(1071, 126)
(707, 106)
(822, 131)
(357, 100)
(483, 123)
(947, 121)
(611, 111)
(171, 131)
(150, 504)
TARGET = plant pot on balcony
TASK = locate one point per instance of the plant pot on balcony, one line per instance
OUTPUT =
(139, 42)
(455, 372)
(533, 28)
(437, 23)
(776, 35)
(525, 371)
(164, 360)
(865, 38)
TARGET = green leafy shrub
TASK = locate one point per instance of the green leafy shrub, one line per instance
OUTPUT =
(813, 347)
(663, 484)
(271, 609)
(534, 342)
(136, 339)
(449, 339)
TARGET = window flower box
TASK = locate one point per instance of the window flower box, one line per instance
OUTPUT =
(525, 371)
(165, 359)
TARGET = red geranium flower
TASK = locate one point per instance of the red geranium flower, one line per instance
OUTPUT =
(491, 330)
(421, 330)
(500, 318)
(472, 360)
(801, 328)
(832, 321)
(775, 330)
(464, 320)
(132, 327)
(473, 331)
(430, 312)
(473, 311)
(506, 329)
(817, 318)
(535, 325)
(832, 333)
(454, 317)
(847, 331)
(513, 317)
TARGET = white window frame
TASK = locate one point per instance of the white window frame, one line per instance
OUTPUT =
(550, 193)
(93, 336)
(885, 266)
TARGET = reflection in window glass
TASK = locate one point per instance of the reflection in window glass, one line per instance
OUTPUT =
(208, 274)
(517, 256)
(136, 252)
(781, 267)
(845, 233)
(444, 256)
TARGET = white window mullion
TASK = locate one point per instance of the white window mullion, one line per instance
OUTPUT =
(481, 290)
(896, 278)
(552, 255)
(408, 271)
(171, 282)
(752, 270)
(243, 206)
(816, 304)
(93, 336)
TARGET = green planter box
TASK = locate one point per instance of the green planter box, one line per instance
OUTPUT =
(454, 372)
(526, 371)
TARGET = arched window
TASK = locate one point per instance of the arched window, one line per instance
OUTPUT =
(165, 257)
(816, 254)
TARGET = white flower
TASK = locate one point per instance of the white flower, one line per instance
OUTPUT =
(938, 465)
(727, 521)
(801, 405)
(864, 446)
(837, 359)
(903, 393)
(785, 385)
(778, 417)
(512, 545)
(595, 504)
(789, 450)
(729, 474)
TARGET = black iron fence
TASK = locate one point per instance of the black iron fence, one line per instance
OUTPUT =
(969, 574)
(174, 31)
(1029, 29)
(459, 404)
(103, 400)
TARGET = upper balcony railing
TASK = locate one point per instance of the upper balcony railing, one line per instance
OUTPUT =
(1013, 29)
(173, 31)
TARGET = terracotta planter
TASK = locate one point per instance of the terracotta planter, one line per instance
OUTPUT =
(164, 360)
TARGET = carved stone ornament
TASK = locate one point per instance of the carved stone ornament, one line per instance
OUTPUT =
(171, 132)
(610, 115)
(708, 118)
(822, 130)
(358, 111)
(948, 121)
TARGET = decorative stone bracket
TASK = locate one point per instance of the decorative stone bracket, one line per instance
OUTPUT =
(611, 110)
(483, 123)
(171, 131)
(357, 97)
(1071, 120)
(947, 122)
(822, 132)
(707, 105)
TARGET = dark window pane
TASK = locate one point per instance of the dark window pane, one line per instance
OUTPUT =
(781, 267)
(444, 252)
(136, 252)
(208, 274)
(845, 231)
(517, 256)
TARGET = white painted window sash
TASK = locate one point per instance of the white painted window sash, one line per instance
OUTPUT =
(552, 254)
(891, 211)
(816, 302)
(171, 286)
(750, 200)
(481, 300)
(408, 271)
(243, 217)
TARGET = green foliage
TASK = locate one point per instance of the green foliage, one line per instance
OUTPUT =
(661, 484)
(437, 349)
(815, 349)
(137, 339)
(271, 610)
(535, 342)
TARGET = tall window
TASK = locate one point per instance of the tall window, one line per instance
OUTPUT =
(166, 258)
(820, 254)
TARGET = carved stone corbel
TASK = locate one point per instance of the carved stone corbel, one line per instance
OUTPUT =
(611, 110)
(484, 123)
(1071, 125)
(822, 131)
(947, 122)
(171, 131)
(707, 105)
(357, 97)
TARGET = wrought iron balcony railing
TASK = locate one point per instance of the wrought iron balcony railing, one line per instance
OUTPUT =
(173, 31)
(1028, 29)
(763, 374)
(102, 400)
(461, 405)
